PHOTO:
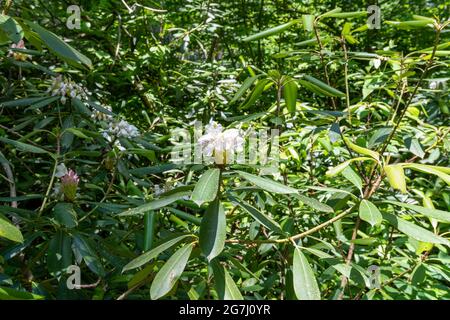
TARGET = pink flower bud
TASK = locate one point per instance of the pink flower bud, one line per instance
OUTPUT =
(69, 184)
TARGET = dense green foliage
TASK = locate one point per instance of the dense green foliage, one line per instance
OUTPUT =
(359, 207)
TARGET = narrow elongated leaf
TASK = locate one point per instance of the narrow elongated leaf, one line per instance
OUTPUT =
(213, 230)
(155, 204)
(262, 218)
(9, 231)
(437, 171)
(59, 47)
(305, 284)
(321, 87)
(77, 133)
(24, 102)
(243, 89)
(341, 167)
(206, 188)
(407, 25)
(353, 177)
(42, 103)
(82, 249)
(271, 31)
(59, 253)
(338, 169)
(185, 216)
(314, 203)
(396, 177)
(419, 17)
(290, 95)
(413, 230)
(146, 257)
(331, 12)
(225, 286)
(256, 93)
(429, 212)
(23, 146)
(370, 213)
(266, 184)
(362, 150)
(354, 14)
(166, 278)
(13, 294)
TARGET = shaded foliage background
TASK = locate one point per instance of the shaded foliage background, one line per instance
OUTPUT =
(164, 66)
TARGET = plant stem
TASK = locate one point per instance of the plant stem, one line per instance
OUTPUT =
(298, 236)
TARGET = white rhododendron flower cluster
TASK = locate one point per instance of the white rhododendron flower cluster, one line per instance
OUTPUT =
(121, 128)
(222, 145)
(66, 89)
(101, 116)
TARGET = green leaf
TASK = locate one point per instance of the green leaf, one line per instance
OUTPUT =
(185, 216)
(342, 15)
(305, 284)
(271, 31)
(414, 146)
(362, 150)
(245, 86)
(59, 47)
(320, 87)
(267, 184)
(418, 275)
(155, 204)
(59, 253)
(42, 103)
(66, 215)
(168, 275)
(407, 25)
(313, 203)
(418, 17)
(12, 294)
(396, 177)
(346, 30)
(341, 167)
(9, 231)
(35, 102)
(82, 249)
(78, 133)
(225, 286)
(353, 177)
(10, 28)
(438, 171)
(331, 12)
(263, 219)
(23, 146)
(290, 95)
(146, 257)
(370, 213)
(206, 188)
(413, 230)
(213, 230)
(429, 212)
(256, 93)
